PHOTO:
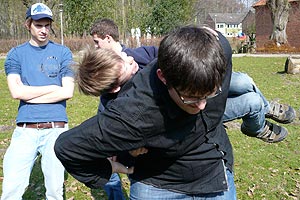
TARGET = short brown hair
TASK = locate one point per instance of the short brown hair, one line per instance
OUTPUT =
(98, 71)
(103, 27)
(196, 54)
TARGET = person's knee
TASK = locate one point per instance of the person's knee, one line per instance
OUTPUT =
(240, 83)
(254, 102)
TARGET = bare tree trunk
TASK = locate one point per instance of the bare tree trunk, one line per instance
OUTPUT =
(124, 25)
(280, 14)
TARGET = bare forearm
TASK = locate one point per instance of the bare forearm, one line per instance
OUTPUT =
(60, 94)
(27, 93)
(24, 92)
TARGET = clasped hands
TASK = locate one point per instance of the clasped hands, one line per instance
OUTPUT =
(119, 167)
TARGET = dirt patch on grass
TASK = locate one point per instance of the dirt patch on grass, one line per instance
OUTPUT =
(6, 128)
(233, 125)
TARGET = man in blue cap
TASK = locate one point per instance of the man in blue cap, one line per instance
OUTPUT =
(38, 74)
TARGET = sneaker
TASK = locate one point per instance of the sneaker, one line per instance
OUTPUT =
(273, 133)
(281, 113)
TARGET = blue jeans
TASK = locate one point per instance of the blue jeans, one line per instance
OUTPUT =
(113, 188)
(143, 191)
(246, 101)
(20, 157)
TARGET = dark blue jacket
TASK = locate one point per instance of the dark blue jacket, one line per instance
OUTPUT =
(142, 55)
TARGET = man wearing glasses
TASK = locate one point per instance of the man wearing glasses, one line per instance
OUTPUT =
(189, 153)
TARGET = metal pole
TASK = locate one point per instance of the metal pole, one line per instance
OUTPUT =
(215, 20)
(61, 22)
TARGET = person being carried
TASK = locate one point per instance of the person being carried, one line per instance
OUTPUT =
(173, 108)
(245, 100)
(38, 74)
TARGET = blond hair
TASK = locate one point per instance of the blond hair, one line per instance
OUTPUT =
(99, 71)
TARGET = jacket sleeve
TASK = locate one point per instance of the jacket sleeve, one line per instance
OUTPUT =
(83, 150)
(76, 150)
(143, 55)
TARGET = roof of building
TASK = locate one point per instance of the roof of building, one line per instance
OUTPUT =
(229, 18)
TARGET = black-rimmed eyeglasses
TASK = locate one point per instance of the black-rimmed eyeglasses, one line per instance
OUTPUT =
(197, 100)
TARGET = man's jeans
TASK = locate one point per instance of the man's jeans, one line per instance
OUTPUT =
(20, 157)
(246, 101)
(143, 191)
(113, 188)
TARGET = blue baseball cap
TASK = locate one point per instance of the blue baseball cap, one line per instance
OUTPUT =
(38, 11)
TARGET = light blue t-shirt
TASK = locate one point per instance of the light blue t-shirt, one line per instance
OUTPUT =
(39, 66)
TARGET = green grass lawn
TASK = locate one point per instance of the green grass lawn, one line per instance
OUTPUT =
(262, 171)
